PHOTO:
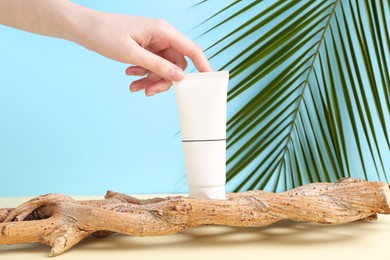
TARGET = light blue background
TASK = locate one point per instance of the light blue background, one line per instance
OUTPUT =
(69, 123)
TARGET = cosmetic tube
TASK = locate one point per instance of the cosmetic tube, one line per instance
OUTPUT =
(201, 100)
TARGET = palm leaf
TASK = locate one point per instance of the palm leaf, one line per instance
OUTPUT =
(309, 96)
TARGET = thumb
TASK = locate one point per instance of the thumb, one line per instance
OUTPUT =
(158, 65)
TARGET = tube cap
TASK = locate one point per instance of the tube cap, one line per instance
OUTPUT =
(213, 193)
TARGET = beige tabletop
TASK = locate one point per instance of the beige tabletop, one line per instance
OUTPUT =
(283, 240)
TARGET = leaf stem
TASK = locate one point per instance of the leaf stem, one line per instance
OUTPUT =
(306, 81)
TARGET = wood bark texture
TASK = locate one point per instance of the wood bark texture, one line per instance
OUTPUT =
(62, 222)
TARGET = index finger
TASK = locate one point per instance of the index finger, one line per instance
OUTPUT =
(186, 47)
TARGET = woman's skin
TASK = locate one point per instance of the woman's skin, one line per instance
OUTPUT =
(154, 47)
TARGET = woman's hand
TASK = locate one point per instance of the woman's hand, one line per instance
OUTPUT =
(154, 47)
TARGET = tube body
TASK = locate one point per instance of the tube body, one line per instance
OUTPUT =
(201, 100)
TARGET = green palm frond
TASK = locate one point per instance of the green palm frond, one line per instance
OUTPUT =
(309, 97)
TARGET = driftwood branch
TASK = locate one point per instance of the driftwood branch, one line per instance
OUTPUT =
(62, 222)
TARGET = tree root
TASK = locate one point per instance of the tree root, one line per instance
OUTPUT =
(62, 222)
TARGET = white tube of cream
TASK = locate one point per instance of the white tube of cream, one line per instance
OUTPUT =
(201, 99)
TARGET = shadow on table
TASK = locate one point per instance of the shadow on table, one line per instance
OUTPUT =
(286, 233)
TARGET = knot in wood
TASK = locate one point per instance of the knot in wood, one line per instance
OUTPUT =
(180, 207)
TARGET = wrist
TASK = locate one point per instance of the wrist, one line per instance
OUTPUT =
(79, 22)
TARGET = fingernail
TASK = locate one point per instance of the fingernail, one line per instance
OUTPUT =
(128, 72)
(177, 74)
(134, 86)
(134, 89)
(151, 93)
